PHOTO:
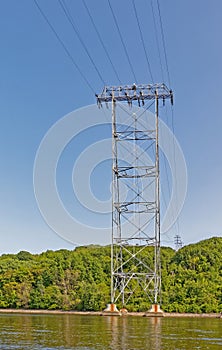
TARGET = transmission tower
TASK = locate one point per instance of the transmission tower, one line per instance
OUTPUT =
(135, 249)
(178, 241)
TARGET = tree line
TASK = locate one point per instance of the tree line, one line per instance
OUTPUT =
(80, 279)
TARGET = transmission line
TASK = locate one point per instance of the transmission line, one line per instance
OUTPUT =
(158, 47)
(64, 46)
(174, 160)
(157, 40)
(101, 41)
(169, 82)
(172, 113)
(71, 21)
(164, 43)
(122, 41)
(142, 40)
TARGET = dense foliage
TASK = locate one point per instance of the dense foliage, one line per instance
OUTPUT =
(80, 279)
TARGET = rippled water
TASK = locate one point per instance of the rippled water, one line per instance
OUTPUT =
(67, 332)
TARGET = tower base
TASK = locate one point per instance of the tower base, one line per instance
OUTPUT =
(155, 311)
(111, 310)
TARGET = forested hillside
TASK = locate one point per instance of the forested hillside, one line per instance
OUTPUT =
(80, 279)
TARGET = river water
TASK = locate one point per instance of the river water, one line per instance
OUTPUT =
(49, 332)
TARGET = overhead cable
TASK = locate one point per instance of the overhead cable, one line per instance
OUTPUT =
(71, 21)
(101, 41)
(157, 40)
(122, 41)
(164, 43)
(142, 40)
(169, 82)
(174, 160)
(64, 46)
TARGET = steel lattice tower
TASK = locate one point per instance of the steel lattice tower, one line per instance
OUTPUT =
(178, 241)
(135, 250)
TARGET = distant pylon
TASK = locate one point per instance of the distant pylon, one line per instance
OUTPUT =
(178, 242)
(135, 250)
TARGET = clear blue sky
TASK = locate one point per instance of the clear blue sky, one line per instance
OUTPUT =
(39, 85)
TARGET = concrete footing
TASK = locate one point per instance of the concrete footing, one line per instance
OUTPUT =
(111, 310)
(155, 311)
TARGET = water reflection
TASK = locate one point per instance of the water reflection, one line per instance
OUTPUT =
(134, 332)
(68, 332)
(155, 323)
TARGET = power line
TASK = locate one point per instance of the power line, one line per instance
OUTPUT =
(164, 43)
(172, 112)
(101, 41)
(157, 40)
(168, 75)
(174, 160)
(142, 39)
(122, 41)
(64, 46)
(71, 21)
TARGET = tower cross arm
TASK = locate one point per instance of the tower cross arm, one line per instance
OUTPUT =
(135, 92)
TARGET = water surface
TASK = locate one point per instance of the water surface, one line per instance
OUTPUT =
(66, 332)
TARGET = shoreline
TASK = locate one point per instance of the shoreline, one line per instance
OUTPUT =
(101, 313)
